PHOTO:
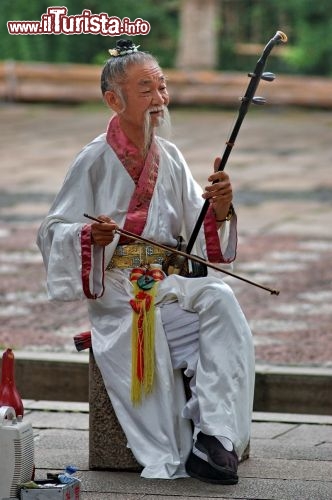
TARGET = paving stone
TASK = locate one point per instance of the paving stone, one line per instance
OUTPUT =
(268, 430)
(58, 406)
(311, 434)
(291, 418)
(274, 468)
(61, 439)
(57, 420)
(58, 460)
(119, 496)
(294, 450)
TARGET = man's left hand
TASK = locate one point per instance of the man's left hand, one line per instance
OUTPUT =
(219, 194)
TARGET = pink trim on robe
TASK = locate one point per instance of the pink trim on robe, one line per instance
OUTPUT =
(213, 248)
(128, 154)
(143, 172)
(86, 249)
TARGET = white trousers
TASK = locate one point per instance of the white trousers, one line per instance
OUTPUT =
(214, 346)
(182, 333)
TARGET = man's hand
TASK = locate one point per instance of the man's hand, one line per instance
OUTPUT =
(102, 234)
(219, 194)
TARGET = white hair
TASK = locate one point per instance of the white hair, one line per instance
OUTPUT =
(115, 69)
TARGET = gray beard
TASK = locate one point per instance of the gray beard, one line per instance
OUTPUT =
(163, 128)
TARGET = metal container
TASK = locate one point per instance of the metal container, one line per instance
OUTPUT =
(69, 491)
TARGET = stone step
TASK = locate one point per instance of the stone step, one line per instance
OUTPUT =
(285, 389)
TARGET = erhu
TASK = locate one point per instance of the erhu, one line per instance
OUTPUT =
(248, 98)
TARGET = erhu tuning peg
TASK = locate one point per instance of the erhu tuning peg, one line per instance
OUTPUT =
(269, 77)
(259, 100)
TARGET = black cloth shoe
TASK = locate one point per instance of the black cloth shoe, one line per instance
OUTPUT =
(224, 461)
(200, 469)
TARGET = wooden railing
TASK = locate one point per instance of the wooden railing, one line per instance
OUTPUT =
(42, 82)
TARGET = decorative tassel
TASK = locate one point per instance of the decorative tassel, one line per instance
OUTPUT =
(143, 331)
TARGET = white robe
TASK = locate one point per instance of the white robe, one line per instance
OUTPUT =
(157, 432)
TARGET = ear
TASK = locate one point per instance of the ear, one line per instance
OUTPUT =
(113, 100)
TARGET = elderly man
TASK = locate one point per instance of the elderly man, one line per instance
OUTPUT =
(147, 326)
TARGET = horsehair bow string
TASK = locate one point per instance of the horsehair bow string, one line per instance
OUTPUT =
(246, 100)
(184, 255)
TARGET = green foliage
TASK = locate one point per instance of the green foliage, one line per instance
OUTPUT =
(162, 39)
(308, 25)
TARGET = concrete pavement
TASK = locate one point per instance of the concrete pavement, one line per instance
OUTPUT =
(290, 459)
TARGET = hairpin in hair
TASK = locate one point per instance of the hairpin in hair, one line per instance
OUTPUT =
(123, 47)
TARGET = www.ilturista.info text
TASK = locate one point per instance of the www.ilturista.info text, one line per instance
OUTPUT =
(56, 22)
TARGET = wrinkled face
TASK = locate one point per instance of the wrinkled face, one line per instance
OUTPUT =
(145, 92)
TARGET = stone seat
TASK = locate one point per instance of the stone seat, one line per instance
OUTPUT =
(107, 442)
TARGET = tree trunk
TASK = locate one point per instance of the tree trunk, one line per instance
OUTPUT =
(198, 34)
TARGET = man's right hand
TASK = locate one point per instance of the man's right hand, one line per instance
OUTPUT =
(102, 234)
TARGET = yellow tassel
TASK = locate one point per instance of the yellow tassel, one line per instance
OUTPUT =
(148, 325)
(136, 393)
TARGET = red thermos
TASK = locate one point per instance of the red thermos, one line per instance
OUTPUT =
(9, 395)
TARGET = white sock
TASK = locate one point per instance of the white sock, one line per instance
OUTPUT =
(227, 443)
(199, 454)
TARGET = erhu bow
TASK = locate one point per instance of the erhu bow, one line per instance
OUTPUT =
(246, 100)
(183, 255)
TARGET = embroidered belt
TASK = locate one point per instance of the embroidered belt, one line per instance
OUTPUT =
(136, 255)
